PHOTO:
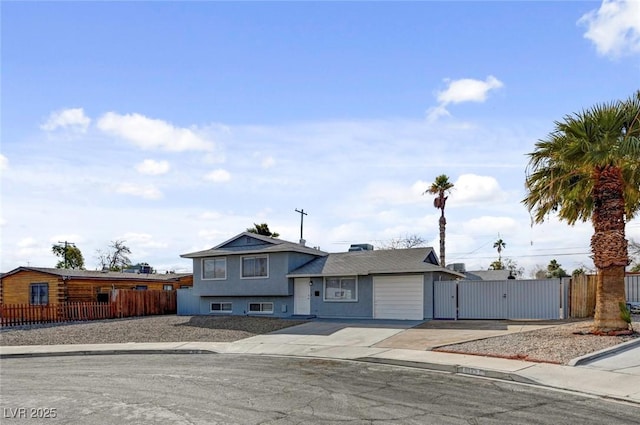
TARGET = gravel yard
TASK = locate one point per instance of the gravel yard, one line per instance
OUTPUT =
(557, 344)
(146, 329)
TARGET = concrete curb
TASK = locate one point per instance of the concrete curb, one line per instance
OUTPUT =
(109, 352)
(587, 358)
(457, 369)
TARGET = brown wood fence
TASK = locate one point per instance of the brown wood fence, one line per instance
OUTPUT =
(124, 303)
(582, 296)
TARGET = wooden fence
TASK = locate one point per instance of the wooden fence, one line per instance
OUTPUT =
(582, 296)
(124, 303)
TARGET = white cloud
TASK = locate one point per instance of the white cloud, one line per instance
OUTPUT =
(28, 242)
(72, 119)
(141, 240)
(218, 176)
(69, 237)
(614, 28)
(210, 215)
(489, 225)
(468, 90)
(152, 167)
(268, 162)
(463, 90)
(143, 191)
(148, 133)
(4, 163)
(474, 189)
(391, 193)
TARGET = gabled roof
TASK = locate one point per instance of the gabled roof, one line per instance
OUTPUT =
(97, 274)
(412, 260)
(263, 244)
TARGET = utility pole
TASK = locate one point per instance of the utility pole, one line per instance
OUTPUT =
(66, 245)
(302, 214)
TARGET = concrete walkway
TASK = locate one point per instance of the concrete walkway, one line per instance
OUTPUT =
(614, 373)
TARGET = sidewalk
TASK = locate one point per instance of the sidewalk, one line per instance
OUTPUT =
(606, 376)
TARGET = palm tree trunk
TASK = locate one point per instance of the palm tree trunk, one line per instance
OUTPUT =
(609, 248)
(610, 293)
(443, 224)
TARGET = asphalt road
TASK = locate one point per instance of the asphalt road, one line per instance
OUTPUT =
(240, 389)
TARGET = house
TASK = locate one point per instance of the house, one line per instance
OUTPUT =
(254, 274)
(480, 274)
(37, 285)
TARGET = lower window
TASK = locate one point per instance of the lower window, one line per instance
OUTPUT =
(261, 308)
(221, 307)
(39, 294)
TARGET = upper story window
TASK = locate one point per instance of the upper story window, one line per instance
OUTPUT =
(214, 268)
(255, 266)
(341, 289)
(39, 294)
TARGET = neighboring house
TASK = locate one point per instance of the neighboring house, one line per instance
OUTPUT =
(488, 275)
(481, 274)
(254, 274)
(37, 285)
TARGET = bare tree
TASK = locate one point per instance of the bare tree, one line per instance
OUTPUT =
(403, 242)
(115, 258)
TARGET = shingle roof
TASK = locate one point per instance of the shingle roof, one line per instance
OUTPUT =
(96, 274)
(413, 260)
(272, 245)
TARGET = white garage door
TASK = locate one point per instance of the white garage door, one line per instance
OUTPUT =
(398, 297)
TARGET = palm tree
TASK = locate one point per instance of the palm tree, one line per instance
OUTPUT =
(499, 244)
(588, 168)
(262, 229)
(441, 186)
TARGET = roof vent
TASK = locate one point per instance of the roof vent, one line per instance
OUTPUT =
(361, 247)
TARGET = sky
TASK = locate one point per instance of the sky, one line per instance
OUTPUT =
(174, 126)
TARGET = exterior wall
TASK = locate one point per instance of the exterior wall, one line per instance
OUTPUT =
(363, 308)
(15, 289)
(87, 290)
(282, 306)
(247, 242)
(188, 303)
(275, 285)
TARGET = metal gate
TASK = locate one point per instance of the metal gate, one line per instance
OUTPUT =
(499, 299)
(445, 300)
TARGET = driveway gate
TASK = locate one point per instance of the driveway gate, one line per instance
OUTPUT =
(499, 299)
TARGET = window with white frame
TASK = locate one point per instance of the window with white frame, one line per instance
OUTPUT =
(214, 269)
(264, 308)
(39, 293)
(167, 287)
(255, 266)
(221, 308)
(341, 289)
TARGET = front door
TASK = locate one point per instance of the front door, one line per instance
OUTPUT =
(301, 296)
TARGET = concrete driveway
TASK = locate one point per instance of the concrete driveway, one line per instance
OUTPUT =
(404, 334)
(436, 333)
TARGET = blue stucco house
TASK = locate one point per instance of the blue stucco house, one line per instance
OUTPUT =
(252, 274)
